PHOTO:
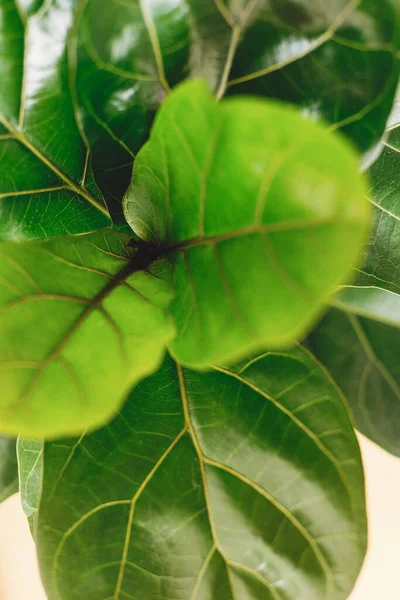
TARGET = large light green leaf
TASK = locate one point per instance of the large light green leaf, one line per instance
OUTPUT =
(8, 468)
(79, 324)
(336, 60)
(362, 348)
(252, 202)
(237, 484)
(46, 183)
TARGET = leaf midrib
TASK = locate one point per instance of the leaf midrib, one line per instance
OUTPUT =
(18, 134)
(319, 41)
(283, 226)
(205, 460)
(372, 356)
(91, 306)
(71, 183)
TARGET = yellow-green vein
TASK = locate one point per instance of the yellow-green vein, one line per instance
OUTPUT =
(133, 502)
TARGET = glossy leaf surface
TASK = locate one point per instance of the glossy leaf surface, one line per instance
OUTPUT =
(336, 60)
(8, 468)
(81, 82)
(251, 210)
(361, 348)
(362, 355)
(95, 327)
(243, 483)
(46, 183)
(375, 292)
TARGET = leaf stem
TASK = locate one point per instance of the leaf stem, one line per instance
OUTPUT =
(283, 226)
(237, 29)
(236, 33)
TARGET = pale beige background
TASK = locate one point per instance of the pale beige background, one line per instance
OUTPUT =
(380, 579)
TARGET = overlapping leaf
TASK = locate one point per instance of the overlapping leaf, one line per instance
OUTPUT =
(361, 345)
(79, 324)
(362, 354)
(336, 60)
(251, 210)
(243, 483)
(80, 71)
(8, 468)
(46, 183)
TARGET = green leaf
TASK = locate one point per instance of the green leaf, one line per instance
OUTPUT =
(375, 292)
(361, 345)
(119, 91)
(30, 461)
(46, 182)
(236, 484)
(8, 468)
(79, 326)
(251, 210)
(336, 60)
(92, 79)
(363, 357)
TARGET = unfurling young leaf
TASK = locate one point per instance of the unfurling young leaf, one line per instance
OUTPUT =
(251, 202)
(241, 483)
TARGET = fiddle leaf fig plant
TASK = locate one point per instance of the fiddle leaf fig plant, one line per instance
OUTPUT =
(182, 200)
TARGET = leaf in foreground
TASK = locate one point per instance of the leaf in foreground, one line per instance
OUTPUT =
(243, 483)
(252, 203)
(360, 343)
(91, 326)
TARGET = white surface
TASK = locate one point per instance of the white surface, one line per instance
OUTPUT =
(19, 574)
(380, 579)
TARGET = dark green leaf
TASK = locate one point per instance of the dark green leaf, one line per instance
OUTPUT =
(375, 292)
(252, 210)
(363, 357)
(362, 348)
(8, 468)
(237, 484)
(46, 183)
(118, 89)
(81, 82)
(336, 60)
(79, 324)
